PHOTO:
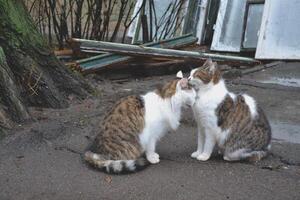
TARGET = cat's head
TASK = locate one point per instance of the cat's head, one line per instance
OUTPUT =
(179, 89)
(205, 76)
(185, 92)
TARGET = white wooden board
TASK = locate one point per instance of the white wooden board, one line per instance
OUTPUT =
(280, 30)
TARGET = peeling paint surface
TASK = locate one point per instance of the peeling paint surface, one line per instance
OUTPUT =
(280, 31)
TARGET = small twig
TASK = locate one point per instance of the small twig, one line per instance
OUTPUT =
(32, 87)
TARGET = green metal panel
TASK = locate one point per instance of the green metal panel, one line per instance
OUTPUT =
(102, 61)
(146, 51)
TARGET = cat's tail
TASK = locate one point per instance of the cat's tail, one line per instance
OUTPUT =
(257, 155)
(245, 154)
(115, 166)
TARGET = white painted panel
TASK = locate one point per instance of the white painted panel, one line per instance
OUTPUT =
(229, 26)
(280, 30)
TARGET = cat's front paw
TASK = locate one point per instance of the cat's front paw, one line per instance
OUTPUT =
(195, 154)
(153, 158)
(203, 157)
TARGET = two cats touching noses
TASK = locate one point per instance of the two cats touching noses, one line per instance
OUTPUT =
(232, 123)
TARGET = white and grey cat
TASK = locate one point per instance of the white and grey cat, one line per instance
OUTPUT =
(135, 124)
(234, 123)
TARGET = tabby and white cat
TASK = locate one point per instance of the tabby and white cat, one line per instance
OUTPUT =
(135, 124)
(233, 122)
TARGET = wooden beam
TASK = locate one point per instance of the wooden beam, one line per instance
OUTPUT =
(133, 50)
(97, 63)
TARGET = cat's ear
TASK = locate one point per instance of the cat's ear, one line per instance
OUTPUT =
(210, 65)
(213, 67)
(179, 74)
(183, 83)
(207, 63)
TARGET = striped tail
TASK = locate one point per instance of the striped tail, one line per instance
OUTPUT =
(257, 155)
(115, 166)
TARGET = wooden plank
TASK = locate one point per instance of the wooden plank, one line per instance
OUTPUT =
(104, 61)
(132, 50)
(172, 43)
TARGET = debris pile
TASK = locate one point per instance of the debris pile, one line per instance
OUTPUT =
(232, 33)
(164, 52)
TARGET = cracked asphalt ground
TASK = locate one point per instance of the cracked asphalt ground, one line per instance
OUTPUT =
(42, 159)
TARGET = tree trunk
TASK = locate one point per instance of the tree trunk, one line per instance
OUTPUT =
(30, 74)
